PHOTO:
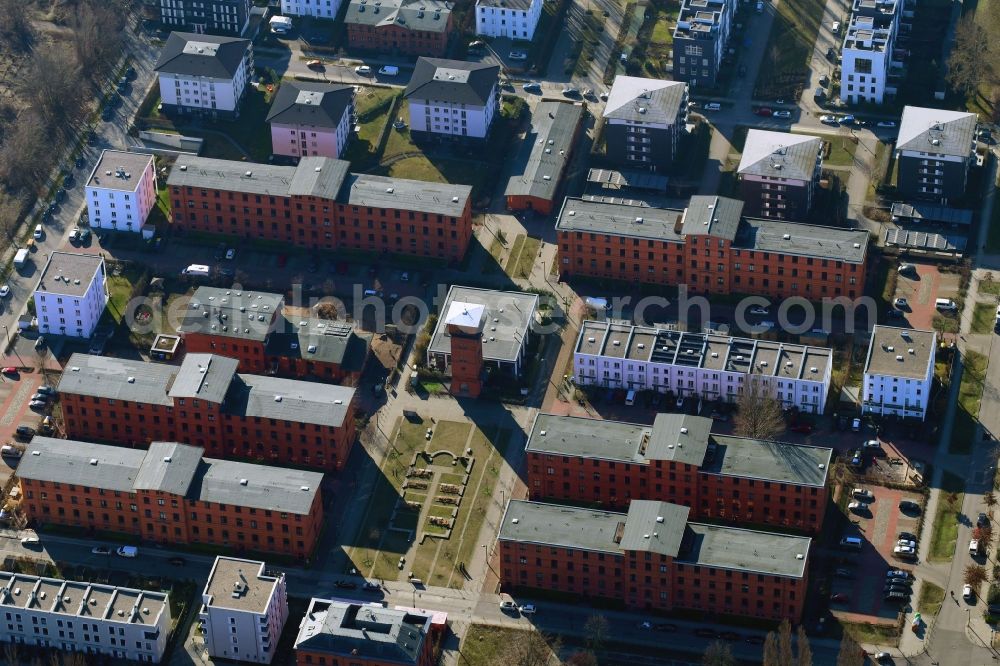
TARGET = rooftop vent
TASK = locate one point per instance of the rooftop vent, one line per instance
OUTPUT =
(277, 398)
(93, 461)
(659, 519)
(184, 167)
(389, 190)
(787, 237)
(243, 482)
(899, 357)
(814, 369)
(514, 520)
(131, 380)
(684, 431)
(910, 351)
(638, 220)
(248, 174)
(616, 343)
(167, 459)
(857, 246)
(454, 199)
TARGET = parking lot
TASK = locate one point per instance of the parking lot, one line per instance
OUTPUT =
(921, 288)
(857, 586)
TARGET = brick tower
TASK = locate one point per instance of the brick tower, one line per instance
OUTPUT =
(464, 325)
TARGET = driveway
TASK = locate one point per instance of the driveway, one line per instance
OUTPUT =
(921, 290)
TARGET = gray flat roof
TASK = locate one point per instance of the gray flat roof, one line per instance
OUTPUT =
(546, 150)
(654, 527)
(416, 195)
(582, 215)
(117, 379)
(69, 274)
(290, 400)
(319, 340)
(901, 352)
(937, 131)
(588, 438)
(806, 240)
(510, 313)
(767, 553)
(173, 468)
(246, 577)
(204, 376)
(925, 212)
(69, 461)
(246, 315)
(363, 632)
(780, 155)
(73, 599)
(712, 216)
(119, 170)
(562, 526)
(204, 172)
(768, 460)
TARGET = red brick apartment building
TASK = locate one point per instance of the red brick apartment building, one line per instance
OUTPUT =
(252, 328)
(205, 402)
(712, 248)
(170, 494)
(339, 633)
(399, 27)
(320, 206)
(678, 460)
(653, 558)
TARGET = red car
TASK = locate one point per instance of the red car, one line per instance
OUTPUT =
(839, 598)
(764, 111)
(9, 371)
(804, 428)
(282, 260)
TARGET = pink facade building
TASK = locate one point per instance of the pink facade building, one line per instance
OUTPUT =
(311, 119)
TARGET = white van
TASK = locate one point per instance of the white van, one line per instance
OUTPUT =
(945, 304)
(21, 257)
(388, 70)
(630, 398)
(851, 543)
(128, 551)
(713, 106)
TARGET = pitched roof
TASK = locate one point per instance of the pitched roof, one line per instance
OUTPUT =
(645, 100)
(936, 131)
(422, 15)
(212, 56)
(311, 104)
(547, 147)
(454, 81)
(780, 155)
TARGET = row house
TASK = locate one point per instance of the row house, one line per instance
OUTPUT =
(205, 402)
(170, 494)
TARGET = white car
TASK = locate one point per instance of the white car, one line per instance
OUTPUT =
(404, 277)
(231, 254)
(858, 507)
(517, 55)
(886, 123)
(508, 605)
(528, 609)
(30, 541)
(974, 547)
(856, 425)
(835, 27)
(904, 551)
(901, 303)
(363, 70)
(907, 542)
(873, 444)
(781, 113)
(759, 310)
(39, 232)
(4, 291)
(967, 592)
(828, 120)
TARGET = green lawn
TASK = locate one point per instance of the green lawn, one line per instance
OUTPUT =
(485, 645)
(944, 532)
(931, 596)
(973, 375)
(372, 108)
(841, 152)
(784, 70)
(522, 256)
(656, 39)
(983, 317)
(991, 287)
(450, 436)
(993, 235)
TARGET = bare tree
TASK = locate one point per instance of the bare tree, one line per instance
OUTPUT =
(758, 413)
(772, 653)
(25, 156)
(10, 209)
(850, 653)
(12, 653)
(582, 658)
(718, 654)
(51, 85)
(975, 575)
(15, 29)
(989, 499)
(530, 648)
(596, 629)
(97, 35)
(805, 652)
(972, 57)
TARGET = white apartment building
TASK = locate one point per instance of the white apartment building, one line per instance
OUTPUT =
(244, 608)
(71, 294)
(226, 17)
(697, 365)
(513, 19)
(452, 99)
(899, 372)
(204, 74)
(326, 9)
(121, 191)
(867, 56)
(71, 616)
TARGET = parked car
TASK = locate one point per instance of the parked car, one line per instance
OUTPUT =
(782, 114)
(315, 64)
(10, 370)
(30, 541)
(907, 542)
(863, 495)
(886, 123)
(345, 585)
(967, 592)
(37, 404)
(856, 425)
(909, 536)
(517, 55)
(828, 120)
(231, 254)
(371, 586)
(177, 561)
(847, 119)
(839, 598)
(983, 520)
(873, 444)
(856, 458)
(101, 550)
(759, 310)
(528, 609)
(388, 70)
(5, 291)
(858, 507)
(570, 91)
(896, 596)
(363, 70)
(901, 303)
(909, 506)
(902, 574)
(531, 86)
(764, 111)
(904, 551)
(508, 606)
(46, 390)
(835, 27)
